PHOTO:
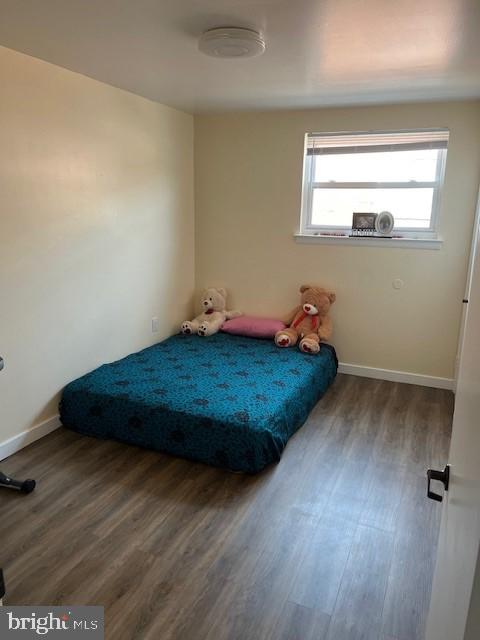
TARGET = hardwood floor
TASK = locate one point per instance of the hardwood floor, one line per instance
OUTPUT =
(336, 542)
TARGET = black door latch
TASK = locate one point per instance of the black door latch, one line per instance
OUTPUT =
(441, 476)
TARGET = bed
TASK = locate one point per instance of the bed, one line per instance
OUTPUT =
(229, 401)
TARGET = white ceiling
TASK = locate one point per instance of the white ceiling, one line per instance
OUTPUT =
(319, 52)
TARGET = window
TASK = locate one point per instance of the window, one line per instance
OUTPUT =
(400, 172)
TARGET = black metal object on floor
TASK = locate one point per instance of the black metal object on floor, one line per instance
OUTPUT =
(25, 486)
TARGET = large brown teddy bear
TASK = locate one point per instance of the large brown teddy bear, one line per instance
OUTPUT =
(214, 313)
(308, 322)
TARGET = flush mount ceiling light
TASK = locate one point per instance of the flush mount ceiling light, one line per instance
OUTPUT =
(231, 42)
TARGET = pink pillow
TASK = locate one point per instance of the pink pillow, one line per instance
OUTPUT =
(253, 327)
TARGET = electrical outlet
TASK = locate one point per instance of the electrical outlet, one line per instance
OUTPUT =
(155, 325)
(397, 283)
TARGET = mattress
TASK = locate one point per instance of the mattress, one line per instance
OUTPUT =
(228, 401)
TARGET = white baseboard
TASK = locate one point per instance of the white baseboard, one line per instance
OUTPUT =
(10, 446)
(396, 376)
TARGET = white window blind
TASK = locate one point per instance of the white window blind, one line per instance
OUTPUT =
(381, 141)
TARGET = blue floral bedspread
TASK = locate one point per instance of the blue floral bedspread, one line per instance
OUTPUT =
(228, 401)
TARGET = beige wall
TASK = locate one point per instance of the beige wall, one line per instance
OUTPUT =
(96, 229)
(248, 172)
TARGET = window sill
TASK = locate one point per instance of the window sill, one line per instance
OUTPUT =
(405, 243)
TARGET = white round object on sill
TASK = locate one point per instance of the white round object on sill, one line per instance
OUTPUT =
(384, 223)
(231, 42)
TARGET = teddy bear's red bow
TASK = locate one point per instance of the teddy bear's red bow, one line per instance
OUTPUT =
(302, 318)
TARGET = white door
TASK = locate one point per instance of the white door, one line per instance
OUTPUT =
(468, 287)
(460, 529)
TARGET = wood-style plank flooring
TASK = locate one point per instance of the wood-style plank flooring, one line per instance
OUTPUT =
(336, 542)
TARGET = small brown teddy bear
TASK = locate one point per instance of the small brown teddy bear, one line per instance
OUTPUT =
(310, 321)
(213, 303)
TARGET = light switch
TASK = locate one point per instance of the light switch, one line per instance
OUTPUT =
(155, 325)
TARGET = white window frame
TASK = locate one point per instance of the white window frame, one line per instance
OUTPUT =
(308, 228)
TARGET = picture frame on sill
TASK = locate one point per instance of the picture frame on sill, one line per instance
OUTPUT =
(363, 224)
